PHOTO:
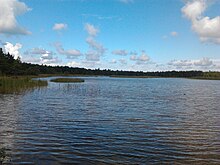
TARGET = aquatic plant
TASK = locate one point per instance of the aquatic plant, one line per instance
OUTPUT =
(67, 80)
(18, 84)
(2, 155)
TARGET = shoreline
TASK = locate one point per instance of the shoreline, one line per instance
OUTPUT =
(113, 76)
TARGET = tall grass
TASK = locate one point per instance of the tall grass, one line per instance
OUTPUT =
(67, 80)
(18, 84)
(2, 155)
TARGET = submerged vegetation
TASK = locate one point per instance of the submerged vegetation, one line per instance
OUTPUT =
(18, 84)
(67, 80)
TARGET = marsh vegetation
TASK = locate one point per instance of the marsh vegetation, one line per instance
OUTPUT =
(2, 155)
(18, 84)
(67, 80)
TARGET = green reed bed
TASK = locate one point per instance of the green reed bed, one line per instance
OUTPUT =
(67, 80)
(18, 84)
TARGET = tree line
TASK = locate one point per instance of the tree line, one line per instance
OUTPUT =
(11, 66)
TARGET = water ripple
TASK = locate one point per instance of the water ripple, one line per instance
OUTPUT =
(114, 121)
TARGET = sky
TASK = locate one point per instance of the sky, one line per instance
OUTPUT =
(137, 35)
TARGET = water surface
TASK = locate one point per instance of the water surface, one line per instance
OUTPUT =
(114, 121)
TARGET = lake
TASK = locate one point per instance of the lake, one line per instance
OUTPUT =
(113, 121)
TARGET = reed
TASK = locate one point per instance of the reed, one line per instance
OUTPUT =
(2, 155)
(67, 80)
(18, 84)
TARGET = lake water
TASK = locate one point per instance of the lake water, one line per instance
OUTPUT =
(114, 121)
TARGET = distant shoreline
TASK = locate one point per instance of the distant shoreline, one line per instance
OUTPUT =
(113, 76)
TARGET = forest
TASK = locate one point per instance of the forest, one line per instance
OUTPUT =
(15, 67)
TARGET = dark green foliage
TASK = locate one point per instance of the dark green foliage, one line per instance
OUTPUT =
(10, 66)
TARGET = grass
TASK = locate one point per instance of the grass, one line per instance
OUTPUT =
(18, 84)
(67, 80)
(2, 155)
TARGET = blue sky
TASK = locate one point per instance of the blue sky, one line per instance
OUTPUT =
(147, 35)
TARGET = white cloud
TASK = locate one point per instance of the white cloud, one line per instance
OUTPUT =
(113, 61)
(9, 10)
(123, 61)
(53, 62)
(91, 29)
(203, 62)
(95, 45)
(92, 55)
(142, 59)
(31, 59)
(91, 64)
(49, 59)
(13, 49)
(120, 52)
(41, 56)
(200, 64)
(70, 54)
(96, 49)
(181, 63)
(208, 29)
(38, 51)
(133, 57)
(73, 64)
(59, 26)
(47, 56)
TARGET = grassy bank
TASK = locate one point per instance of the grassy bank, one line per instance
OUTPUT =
(67, 80)
(18, 84)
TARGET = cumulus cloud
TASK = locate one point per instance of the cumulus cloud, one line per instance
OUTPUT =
(204, 63)
(142, 59)
(113, 61)
(92, 56)
(31, 59)
(91, 29)
(208, 29)
(59, 26)
(9, 10)
(46, 59)
(70, 54)
(96, 49)
(74, 64)
(90, 64)
(123, 61)
(41, 56)
(13, 49)
(95, 45)
(38, 51)
(120, 52)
